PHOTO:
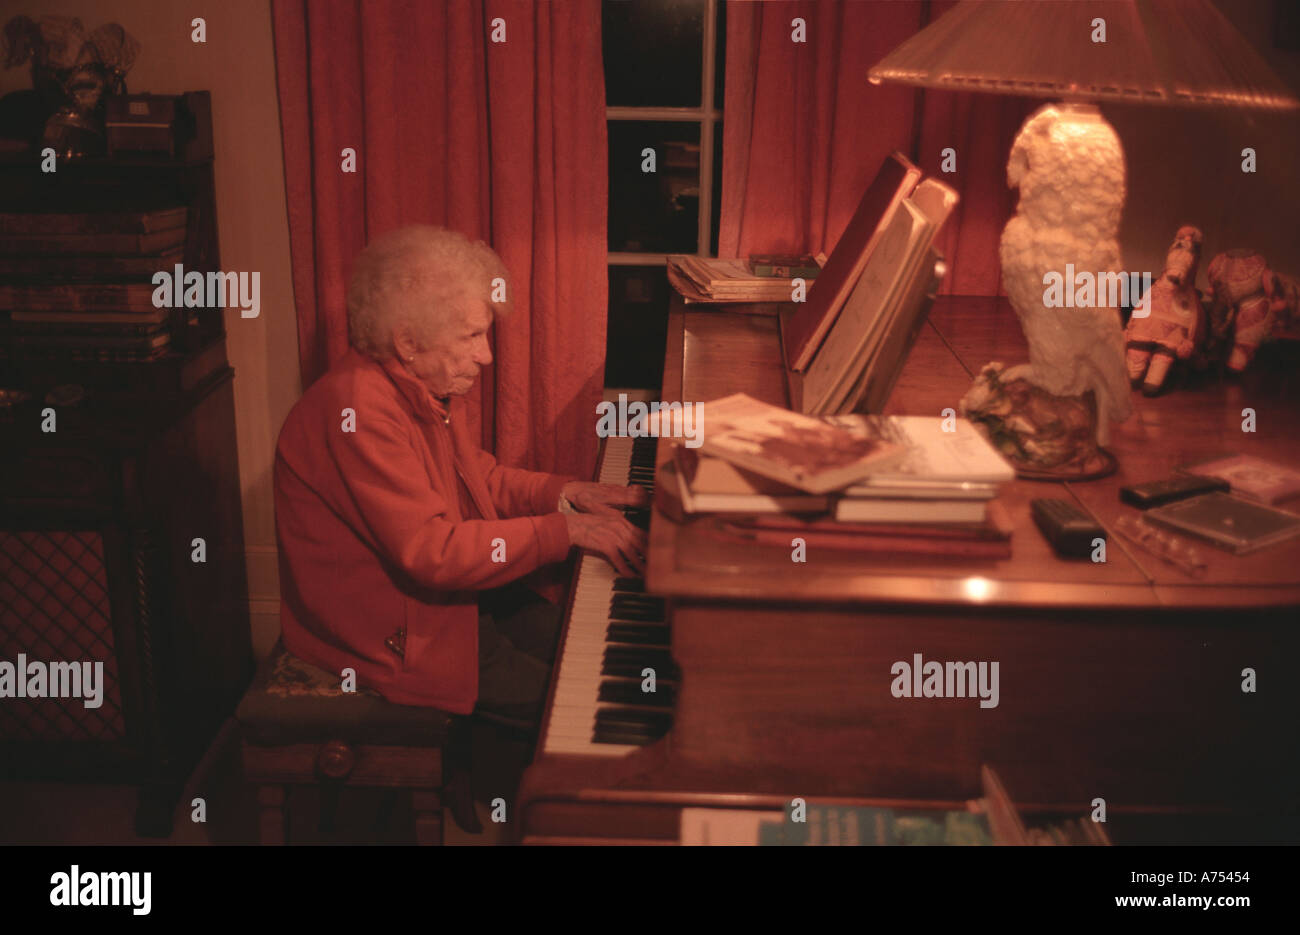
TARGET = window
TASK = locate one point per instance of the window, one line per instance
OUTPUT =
(663, 95)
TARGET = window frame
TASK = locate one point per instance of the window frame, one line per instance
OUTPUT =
(707, 116)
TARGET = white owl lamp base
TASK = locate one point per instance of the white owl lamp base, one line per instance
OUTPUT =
(1051, 417)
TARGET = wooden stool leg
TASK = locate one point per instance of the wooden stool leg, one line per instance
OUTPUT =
(329, 806)
(457, 768)
(272, 817)
(384, 814)
(427, 805)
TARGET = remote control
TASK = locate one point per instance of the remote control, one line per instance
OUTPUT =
(1178, 487)
(1069, 530)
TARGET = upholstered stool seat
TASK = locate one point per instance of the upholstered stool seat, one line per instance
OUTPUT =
(300, 728)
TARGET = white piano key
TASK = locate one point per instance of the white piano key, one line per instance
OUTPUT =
(572, 718)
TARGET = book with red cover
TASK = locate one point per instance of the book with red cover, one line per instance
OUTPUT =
(804, 327)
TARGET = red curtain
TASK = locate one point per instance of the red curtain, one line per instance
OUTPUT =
(503, 141)
(804, 132)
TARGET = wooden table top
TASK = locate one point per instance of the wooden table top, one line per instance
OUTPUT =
(714, 352)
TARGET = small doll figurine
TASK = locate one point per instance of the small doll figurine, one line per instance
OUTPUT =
(1251, 301)
(1168, 322)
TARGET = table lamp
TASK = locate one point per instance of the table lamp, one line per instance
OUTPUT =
(1052, 416)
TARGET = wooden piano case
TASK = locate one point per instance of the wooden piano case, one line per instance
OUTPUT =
(1120, 680)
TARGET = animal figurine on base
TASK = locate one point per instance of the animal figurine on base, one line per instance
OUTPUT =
(1069, 166)
(1250, 301)
(1041, 435)
(1168, 324)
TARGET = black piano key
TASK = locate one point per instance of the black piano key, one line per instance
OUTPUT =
(656, 723)
(629, 725)
(639, 597)
(629, 661)
(636, 615)
(631, 734)
(622, 736)
(630, 693)
(638, 633)
(640, 602)
(637, 600)
(652, 657)
(653, 628)
(639, 618)
(640, 518)
(624, 669)
(629, 584)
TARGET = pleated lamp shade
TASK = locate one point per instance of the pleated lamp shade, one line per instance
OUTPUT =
(1168, 52)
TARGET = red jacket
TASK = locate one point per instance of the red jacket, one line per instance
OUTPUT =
(379, 529)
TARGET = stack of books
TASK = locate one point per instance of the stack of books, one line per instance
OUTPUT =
(702, 279)
(78, 285)
(990, 820)
(787, 266)
(872, 483)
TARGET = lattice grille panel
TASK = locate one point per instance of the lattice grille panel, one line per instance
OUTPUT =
(54, 607)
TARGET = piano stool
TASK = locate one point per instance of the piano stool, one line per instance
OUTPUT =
(299, 728)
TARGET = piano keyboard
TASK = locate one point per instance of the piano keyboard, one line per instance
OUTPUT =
(614, 632)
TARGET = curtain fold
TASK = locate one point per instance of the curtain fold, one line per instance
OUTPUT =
(804, 132)
(502, 141)
(803, 129)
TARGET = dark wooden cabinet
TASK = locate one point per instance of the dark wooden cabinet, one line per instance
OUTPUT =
(99, 521)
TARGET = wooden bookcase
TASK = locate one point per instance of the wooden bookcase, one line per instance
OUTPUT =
(98, 519)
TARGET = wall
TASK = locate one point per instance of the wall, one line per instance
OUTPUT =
(237, 65)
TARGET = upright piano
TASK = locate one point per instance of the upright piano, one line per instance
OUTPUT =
(1126, 681)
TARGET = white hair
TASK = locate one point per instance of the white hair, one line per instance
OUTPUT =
(417, 276)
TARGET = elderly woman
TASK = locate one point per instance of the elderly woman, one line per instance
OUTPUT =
(400, 537)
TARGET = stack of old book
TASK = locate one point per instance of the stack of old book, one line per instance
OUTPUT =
(913, 485)
(990, 820)
(703, 279)
(78, 285)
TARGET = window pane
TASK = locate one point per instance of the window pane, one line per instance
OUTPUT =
(651, 212)
(638, 326)
(654, 52)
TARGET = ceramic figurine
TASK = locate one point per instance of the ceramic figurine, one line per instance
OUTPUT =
(1250, 301)
(1052, 415)
(1168, 323)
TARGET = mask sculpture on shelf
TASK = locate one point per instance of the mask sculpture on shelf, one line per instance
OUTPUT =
(1251, 303)
(72, 72)
(1050, 417)
(1169, 323)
